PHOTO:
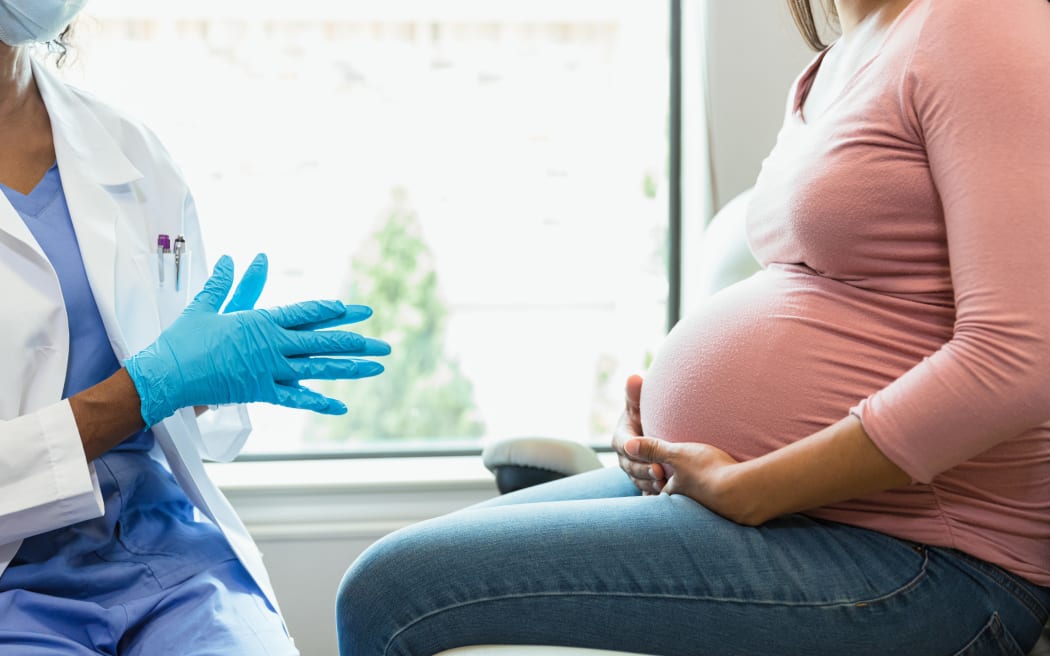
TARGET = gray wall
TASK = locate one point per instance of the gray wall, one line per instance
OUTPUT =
(310, 531)
(754, 54)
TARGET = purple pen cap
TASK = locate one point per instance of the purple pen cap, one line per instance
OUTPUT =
(164, 242)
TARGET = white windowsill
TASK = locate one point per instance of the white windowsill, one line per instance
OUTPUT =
(357, 474)
(356, 498)
(352, 474)
(352, 499)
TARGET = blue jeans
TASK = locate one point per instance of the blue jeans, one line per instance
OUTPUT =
(588, 562)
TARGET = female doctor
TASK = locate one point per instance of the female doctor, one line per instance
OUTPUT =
(112, 538)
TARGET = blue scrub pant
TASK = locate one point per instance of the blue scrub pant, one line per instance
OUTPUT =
(146, 579)
(218, 612)
(588, 562)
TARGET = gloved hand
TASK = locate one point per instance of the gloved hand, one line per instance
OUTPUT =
(207, 358)
(250, 288)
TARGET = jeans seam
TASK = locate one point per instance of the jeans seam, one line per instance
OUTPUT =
(697, 598)
(992, 621)
(919, 576)
(1005, 582)
(1031, 605)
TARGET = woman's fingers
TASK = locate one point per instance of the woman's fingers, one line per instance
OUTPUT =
(633, 391)
(649, 477)
(646, 477)
(633, 402)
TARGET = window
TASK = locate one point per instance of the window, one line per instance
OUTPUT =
(490, 176)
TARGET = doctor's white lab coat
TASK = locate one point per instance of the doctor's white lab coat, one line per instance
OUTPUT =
(123, 190)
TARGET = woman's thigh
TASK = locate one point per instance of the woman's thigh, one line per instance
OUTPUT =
(661, 574)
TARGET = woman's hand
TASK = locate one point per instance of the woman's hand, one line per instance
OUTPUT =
(699, 471)
(647, 476)
(835, 464)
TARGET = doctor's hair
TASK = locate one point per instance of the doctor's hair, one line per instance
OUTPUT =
(61, 45)
(805, 19)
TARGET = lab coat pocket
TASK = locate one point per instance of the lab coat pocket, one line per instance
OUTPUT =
(170, 282)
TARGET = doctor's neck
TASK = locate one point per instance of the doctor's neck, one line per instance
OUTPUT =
(16, 80)
(27, 149)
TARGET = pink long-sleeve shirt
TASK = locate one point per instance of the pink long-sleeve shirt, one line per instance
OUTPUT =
(905, 234)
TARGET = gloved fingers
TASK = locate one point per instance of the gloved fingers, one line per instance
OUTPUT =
(333, 368)
(370, 347)
(353, 314)
(305, 313)
(322, 342)
(250, 287)
(297, 396)
(217, 288)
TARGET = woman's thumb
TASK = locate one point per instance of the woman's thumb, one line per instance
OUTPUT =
(647, 449)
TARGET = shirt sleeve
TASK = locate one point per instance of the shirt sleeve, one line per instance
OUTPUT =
(976, 90)
(45, 480)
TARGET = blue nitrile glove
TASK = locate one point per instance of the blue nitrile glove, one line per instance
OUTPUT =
(207, 358)
(250, 288)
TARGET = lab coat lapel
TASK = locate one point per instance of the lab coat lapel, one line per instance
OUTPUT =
(94, 217)
(79, 133)
(14, 231)
(92, 165)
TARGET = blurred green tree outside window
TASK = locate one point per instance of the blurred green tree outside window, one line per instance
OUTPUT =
(423, 394)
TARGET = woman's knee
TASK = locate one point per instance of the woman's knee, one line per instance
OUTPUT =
(363, 594)
(392, 583)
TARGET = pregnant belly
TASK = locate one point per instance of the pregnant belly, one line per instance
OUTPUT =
(779, 356)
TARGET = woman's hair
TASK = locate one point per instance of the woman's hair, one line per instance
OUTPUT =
(802, 12)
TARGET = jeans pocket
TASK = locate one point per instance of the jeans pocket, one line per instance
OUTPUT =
(992, 640)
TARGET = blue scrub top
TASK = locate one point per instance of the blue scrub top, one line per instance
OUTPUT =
(149, 538)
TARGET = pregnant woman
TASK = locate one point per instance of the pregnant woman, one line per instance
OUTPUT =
(848, 453)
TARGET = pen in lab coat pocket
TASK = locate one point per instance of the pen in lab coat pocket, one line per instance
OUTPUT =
(180, 246)
(163, 246)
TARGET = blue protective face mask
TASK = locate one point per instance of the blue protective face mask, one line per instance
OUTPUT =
(35, 21)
